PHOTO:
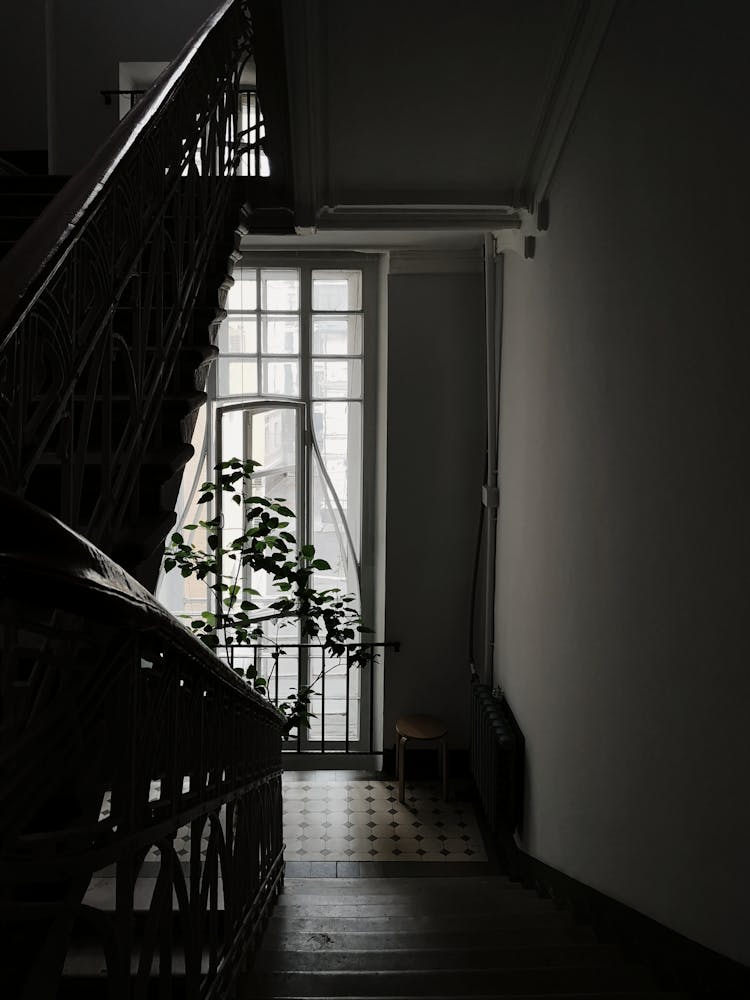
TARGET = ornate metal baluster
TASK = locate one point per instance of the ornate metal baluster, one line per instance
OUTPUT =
(108, 305)
(102, 692)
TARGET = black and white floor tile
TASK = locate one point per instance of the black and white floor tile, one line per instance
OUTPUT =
(362, 820)
(349, 819)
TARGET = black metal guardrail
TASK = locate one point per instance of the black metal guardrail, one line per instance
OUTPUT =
(117, 729)
(331, 729)
(102, 292)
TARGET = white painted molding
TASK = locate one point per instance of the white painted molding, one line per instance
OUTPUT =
(477, 217)
(577, 60)
(418, 261)
(522, 240)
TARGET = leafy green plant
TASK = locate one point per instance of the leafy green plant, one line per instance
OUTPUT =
(236, 620)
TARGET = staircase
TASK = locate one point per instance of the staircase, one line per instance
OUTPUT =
(138, 541)
(22, 200)
(111, 288)
(434, 937)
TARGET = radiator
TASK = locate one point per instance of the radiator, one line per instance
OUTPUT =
(497, 759)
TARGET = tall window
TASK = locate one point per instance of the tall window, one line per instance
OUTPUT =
(288, 390)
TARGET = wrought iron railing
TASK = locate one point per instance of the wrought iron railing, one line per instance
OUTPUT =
(105, 289)
(134, 766)
(343, 690)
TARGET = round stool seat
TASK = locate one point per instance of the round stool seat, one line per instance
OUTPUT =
(421, 727)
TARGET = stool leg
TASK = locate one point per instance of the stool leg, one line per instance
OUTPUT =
(444, 768)
(401, 768)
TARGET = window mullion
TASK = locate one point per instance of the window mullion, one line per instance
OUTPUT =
(305, 389)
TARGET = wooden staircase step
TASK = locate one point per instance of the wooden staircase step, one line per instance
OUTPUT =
(560, 995)
(12, 227)
(48, 184)
(396, 939)
(507, 957)
(284, 924)
(466, 886)
(400, 907)
(451, 982)
(424, 940)
(23, 198)
(24, 204)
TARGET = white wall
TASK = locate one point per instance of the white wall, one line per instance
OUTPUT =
(623, 568)
(89, 40)
(23, 105)
(434, 477)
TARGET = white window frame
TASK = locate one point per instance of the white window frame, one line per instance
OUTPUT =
(368, 264)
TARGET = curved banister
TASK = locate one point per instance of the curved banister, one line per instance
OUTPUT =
(44, 239)
(41, 555)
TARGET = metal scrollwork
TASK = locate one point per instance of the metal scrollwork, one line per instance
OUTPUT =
(140, 778)
(92, 342)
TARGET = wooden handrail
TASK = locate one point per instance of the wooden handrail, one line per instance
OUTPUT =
(40, 555)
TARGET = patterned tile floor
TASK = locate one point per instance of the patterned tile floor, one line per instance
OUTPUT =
(362, 820)
(346, 816)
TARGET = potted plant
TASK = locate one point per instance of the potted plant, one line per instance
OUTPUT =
(236, 620)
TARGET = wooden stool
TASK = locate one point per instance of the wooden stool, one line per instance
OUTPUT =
(420, 727)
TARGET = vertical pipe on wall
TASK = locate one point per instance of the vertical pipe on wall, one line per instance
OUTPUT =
(493, 276)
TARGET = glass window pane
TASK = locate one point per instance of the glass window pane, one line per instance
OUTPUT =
(232, 446)
(244, 292)
(337, 291)
(336, 379)
(337, 335)
(238, 335)
(279, 289)
(280, 377)
(338, 432)
(189, 595)
(238, 377)
(280, 334)
(272, 441)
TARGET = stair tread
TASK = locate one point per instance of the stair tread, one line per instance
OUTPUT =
(567, 995)
(447, 982)
(466, 884)
(554, 918)
(318, 955)
(425, 939)
(397, 906)
(34, 183)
